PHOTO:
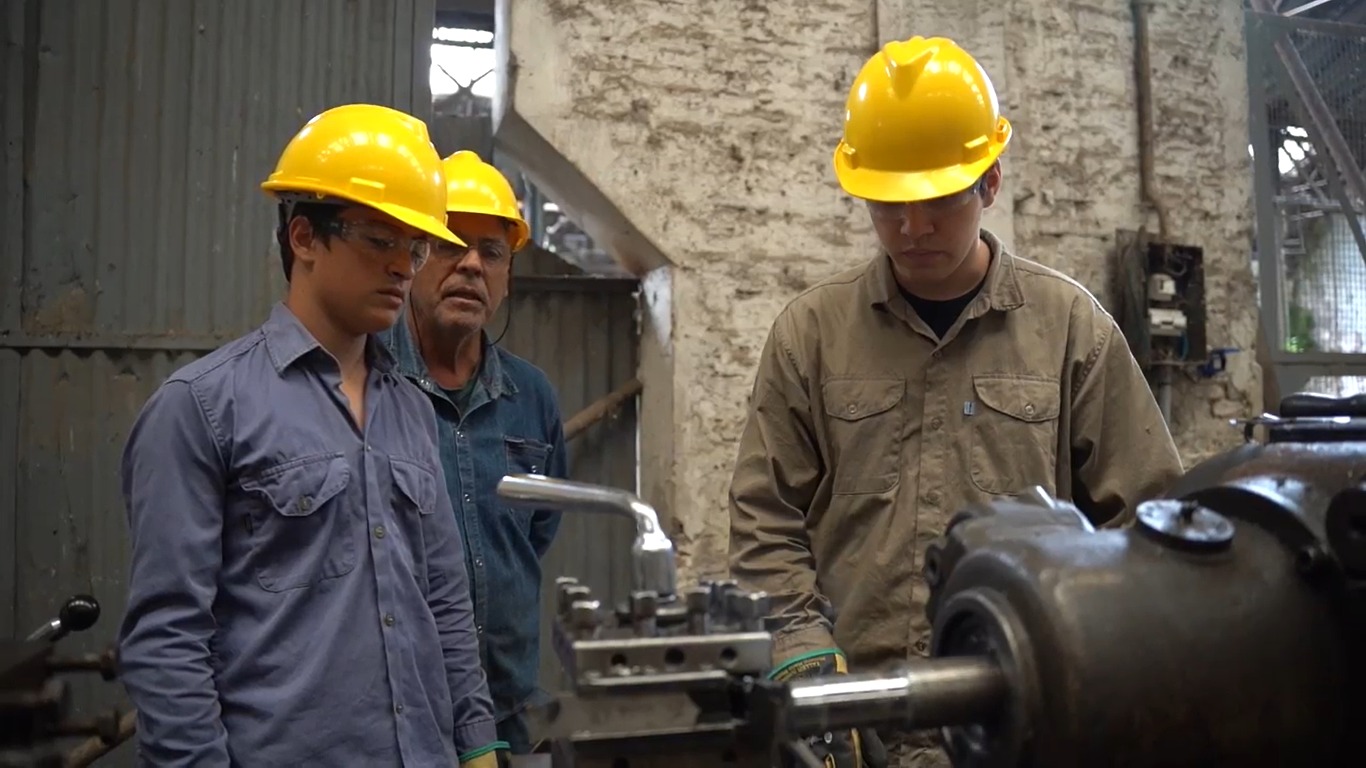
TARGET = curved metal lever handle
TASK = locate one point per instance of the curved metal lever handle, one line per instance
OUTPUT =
(653, 551)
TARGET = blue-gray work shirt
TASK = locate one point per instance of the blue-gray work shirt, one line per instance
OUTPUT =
(297, 594)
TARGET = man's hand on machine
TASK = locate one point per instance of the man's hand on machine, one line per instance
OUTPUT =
(856, 748)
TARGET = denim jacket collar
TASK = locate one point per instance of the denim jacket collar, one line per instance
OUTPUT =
(409, 362)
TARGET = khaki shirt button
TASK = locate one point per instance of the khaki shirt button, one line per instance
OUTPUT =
(1029, 409)
(936, 423)
(932, 497)
(853, 408)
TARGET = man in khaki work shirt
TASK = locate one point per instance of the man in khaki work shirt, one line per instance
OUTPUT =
(942, 372)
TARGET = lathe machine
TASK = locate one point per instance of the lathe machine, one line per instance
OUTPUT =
(1217, 630)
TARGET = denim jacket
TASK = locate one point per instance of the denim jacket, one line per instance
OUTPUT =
(512, 425)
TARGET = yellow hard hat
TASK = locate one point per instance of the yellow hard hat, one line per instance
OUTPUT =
(921, 121)
(371, 155)
(474, 186)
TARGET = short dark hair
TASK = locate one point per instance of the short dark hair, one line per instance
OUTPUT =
(321, 217)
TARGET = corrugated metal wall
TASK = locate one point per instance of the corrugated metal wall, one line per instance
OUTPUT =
(144, 128)
(135, 238)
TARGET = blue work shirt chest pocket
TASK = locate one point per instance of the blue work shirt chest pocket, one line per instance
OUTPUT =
(303, 531)
(524, 456)
(416, 487)
(414, 501)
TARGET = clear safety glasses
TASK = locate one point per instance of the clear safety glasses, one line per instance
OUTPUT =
(381, 241)
(933, 207)
(492, 253)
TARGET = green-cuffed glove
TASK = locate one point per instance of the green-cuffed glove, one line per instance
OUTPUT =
(856, 748)
(493, 756)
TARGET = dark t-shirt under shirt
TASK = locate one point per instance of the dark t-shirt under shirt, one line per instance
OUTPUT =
(941, 315)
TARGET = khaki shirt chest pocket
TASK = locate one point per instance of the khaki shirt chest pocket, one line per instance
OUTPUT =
(302, 530)
(865, 421)
(1013, 431)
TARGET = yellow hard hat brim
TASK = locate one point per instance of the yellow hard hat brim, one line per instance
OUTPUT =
(908, 187)
(419, 221)
(520, 231)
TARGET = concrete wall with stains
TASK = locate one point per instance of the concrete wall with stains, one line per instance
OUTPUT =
(693, 140)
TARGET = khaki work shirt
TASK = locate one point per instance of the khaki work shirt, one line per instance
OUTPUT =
(866, 434)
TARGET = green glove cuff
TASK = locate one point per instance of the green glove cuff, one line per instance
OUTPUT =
(826, 661)
(475, 754)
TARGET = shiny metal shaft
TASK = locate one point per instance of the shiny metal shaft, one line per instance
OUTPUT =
(652, 551)
(926, 694)
(541, 491)
(531, 491)
(47, 632)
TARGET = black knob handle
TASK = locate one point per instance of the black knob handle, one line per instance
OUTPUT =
(80, 613)
(1311, 404)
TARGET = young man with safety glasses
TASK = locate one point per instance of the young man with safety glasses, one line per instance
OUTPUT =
(944, 371)
(297, 592)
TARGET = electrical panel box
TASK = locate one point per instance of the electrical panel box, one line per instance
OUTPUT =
(1159, 292)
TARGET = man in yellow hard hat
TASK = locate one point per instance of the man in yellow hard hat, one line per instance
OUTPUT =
(498, 416)
(944, 371)
(297, 592)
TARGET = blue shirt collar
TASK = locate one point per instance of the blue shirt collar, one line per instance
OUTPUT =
(287, 340)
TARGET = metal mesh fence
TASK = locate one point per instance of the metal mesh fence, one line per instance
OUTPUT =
(1318, 209)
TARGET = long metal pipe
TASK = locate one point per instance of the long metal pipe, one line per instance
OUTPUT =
(1147, 174)
(1164, 390)
(1143, 96)
(931, 693)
